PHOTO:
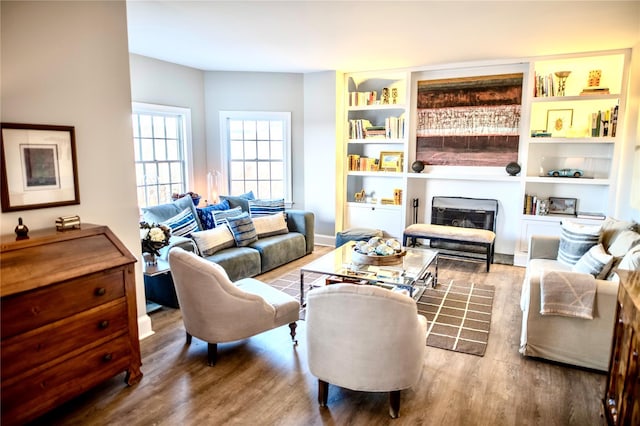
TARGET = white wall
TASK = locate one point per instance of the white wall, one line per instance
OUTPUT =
(67, 63)
(247, 91)
(164, 83)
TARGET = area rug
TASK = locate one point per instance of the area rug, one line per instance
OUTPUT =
(458, 316)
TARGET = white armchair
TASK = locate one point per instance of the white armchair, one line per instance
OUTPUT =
(216, 310)
(364, 338)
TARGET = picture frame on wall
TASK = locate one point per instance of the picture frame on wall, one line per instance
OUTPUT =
(38, 167)
(559, 121)
(391, 161)
(562, 206)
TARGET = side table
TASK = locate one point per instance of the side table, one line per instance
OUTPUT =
(158, 284)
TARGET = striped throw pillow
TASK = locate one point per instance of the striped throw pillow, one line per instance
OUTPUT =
(575, 240)
(220, 218)
(213, 240)
(596, 262)
(244, 233)
(182, 224)
(205, 214)
(259, 208)
(273, 224)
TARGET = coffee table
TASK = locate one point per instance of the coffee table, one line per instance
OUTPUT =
(413, 274)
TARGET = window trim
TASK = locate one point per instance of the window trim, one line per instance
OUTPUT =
(142, 108)
(257, 115)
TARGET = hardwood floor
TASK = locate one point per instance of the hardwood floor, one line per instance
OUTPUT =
(264, 380)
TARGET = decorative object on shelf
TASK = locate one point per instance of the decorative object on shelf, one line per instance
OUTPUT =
(385, 96)
(359, 197)
(22, 231)
(543, 207)
(397, 196)
(559, 121)
(214, 182)
(562, 81)
(576, 173)
(594, 78)
(391, 161)
(513, 168)
(394, 95)
(39, 167)
(417, 166)
(64, 223)
(153, 237)
(540, 134)
(593, 84)
(562, 206)
(194, 197)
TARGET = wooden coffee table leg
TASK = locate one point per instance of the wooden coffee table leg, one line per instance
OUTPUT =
(301, 287)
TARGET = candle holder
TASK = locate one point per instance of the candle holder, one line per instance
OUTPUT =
(562, 81)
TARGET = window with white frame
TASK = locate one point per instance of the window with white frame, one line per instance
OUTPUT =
(161, 137)
(257, 149)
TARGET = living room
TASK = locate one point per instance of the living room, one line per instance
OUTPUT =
(70, 63)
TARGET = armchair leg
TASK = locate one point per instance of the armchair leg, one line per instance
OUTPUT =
(323, 392)
(394, 404)
(188, 338)
(293, 326)
(212, 354)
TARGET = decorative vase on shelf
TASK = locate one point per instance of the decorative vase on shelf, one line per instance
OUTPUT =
(513, 168)
(150, 259)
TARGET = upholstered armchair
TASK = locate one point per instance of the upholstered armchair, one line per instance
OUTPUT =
(216, 310)
(364, 338)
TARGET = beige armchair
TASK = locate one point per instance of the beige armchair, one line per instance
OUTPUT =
(216, 310)
(364, 338)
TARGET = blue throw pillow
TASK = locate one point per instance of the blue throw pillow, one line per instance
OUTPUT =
(205, 214)
(163, 212)
(259, 208)
(182, 224)
(243, 229)
(241, 201)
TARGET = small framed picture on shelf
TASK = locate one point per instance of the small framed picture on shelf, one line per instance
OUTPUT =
(391, 161)
(562, 206)
(559, 121)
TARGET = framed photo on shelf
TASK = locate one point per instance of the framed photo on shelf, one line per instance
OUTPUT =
(559, 121)
(39, 167)
(391, 161)
(562, 206)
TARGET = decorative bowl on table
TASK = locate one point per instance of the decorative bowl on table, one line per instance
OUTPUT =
(378, 251)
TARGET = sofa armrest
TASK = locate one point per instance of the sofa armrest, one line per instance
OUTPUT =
(303, 222)
(178, 241)
(544, 247)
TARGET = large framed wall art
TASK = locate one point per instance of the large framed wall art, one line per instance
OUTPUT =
(469, 121)
(39, 167)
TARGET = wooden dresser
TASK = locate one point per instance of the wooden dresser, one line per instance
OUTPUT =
(69, 320)
(622, 398)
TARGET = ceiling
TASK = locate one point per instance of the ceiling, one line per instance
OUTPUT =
(303, 36)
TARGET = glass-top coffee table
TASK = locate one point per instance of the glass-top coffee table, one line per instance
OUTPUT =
(413, 274)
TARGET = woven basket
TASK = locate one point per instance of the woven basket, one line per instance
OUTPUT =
(365, 259)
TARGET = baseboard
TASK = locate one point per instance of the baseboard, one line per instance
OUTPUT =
(144, 327)
(325, 240)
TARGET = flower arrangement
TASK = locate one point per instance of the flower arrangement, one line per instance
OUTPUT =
(195, 197)
(153, 237)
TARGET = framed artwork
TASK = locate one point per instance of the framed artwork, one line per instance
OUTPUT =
(39, 167)
(562, 205)
(391, 161)
(559, 121)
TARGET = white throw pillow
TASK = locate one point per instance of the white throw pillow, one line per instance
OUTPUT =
(213, 240)
(596, 262)
(273, 224)
(631, 260)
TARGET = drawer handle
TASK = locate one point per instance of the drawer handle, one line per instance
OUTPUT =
(635, 354)
(103, 324)
(107, 357)
(100, 291)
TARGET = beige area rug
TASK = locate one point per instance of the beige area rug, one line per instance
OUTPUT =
(458, 316)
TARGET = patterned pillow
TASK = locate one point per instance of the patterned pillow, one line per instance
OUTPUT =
(242, 229)
(241, 201)
(220, 218)
(205, 214)
(213, 240)
(182, 224)
(596, 262)
(259, 208)
(273, 224)
(575, 240)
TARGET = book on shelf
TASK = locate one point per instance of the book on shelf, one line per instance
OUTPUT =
(594, 91)
(590, 215)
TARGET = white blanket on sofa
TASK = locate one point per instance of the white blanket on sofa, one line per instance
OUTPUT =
(570, 294)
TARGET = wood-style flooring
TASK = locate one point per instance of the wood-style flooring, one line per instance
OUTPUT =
(264, 380)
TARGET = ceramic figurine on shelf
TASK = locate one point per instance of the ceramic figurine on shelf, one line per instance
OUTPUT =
(22, 231)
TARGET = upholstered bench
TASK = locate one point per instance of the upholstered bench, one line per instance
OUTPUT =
(452, 234)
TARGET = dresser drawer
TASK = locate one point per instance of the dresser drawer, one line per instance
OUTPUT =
(34, 394)
(59, 339)
(38, 307)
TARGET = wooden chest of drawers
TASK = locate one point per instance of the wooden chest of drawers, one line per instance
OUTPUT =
(622, 398)
(68, 318)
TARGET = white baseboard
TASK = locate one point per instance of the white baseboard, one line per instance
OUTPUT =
(144, 327)
(325, 240)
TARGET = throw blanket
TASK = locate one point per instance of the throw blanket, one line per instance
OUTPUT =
(566, 293)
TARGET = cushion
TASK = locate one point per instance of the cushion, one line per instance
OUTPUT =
(575, 240)
(631, 260)
(611, 228)
(220, 217)
(623, 242)
(243, 230)
(213, 240)
(273, 224)
(596, 262)
(205, 214)
(241, 201)
(182, 224)
(163, 212)
(259, 208)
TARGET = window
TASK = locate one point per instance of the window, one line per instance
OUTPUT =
(256, 146)
(160, 137)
